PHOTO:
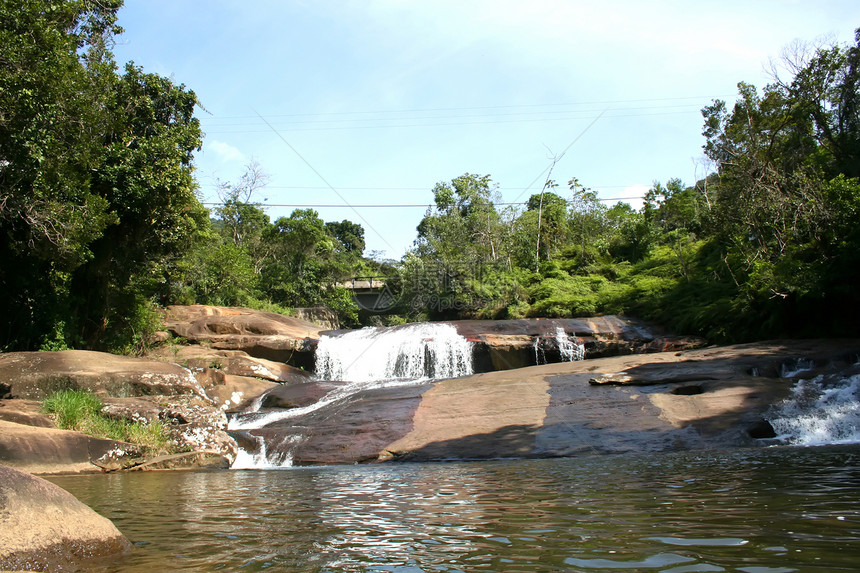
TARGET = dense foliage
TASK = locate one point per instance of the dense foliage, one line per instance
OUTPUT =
(100, 222)
(767, 245)
(99, 218)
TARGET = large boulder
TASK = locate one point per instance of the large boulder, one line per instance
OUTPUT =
(190, 404)
(43, 527)
(36, 375)
(261, 334)
(706, 398)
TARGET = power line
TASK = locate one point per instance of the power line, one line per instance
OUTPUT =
(475, 108)
(402, 205)
(256, 129)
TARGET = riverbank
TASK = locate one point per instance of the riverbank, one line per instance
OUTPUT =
(220, 399)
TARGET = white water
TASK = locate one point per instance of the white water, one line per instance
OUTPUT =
(822, 410)
(569, 348)
(262, 460)
(413, 351)
(366, 359)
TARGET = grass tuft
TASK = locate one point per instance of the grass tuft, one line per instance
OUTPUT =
(80, 411)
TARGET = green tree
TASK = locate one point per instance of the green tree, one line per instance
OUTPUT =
(96, 193)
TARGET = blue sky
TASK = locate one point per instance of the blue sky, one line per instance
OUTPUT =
(374, 102)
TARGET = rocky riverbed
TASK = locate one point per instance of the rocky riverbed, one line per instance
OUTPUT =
(639, 389)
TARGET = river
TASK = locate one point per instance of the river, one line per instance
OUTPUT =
(764, 510)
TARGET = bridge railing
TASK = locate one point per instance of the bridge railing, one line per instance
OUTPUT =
(369, 282)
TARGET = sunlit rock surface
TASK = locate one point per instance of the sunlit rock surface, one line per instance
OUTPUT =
(44, 528)
(711, 397)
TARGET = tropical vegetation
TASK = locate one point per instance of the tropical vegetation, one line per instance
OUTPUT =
(101, 222)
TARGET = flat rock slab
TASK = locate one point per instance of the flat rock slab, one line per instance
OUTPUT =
(43, 527)
(51, 451)
(36, 375)
(706, 398)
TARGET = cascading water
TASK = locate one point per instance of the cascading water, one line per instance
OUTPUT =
(570, 349)
(413, 351)
(364, 359)
(821, 410)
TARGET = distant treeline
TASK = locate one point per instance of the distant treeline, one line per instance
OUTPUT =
(100, 222)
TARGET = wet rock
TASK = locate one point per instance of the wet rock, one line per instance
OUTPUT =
(297, 395)
(509, 344)
(43, 527)
(667, 401)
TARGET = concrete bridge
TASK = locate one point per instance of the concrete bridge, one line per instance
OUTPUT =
(371, 293)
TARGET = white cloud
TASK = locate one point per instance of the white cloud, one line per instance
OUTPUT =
(225, 151)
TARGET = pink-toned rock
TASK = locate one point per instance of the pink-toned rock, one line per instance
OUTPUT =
(35, 375)
(44, 528)
(258, 333)
(41, 450)
(696, 399)
(231, 362)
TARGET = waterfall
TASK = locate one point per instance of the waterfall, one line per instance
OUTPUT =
(412, 351)
(363, 360)
(571, 349)
(821, 410)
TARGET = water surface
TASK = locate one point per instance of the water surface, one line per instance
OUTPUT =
(767, 510)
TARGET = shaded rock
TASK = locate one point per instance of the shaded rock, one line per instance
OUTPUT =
(261, 334)
(35, 375)
(43, 527)
(508, 344)
(695, 399)
(49, 450)
(27, 412)
(297, 395)
(184, 461)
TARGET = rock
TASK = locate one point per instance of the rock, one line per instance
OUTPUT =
(35, 375)
(193, 424)
(42, 527)
(508, 344)
(27, 412)
(232, 392)
(705, 398)
(231, 362)
(51, 451)
(297, 395)
(261, 334)
(184, 461)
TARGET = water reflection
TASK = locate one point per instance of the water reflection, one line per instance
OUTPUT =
(779, 509)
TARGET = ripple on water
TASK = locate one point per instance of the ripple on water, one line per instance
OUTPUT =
(778, 509)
